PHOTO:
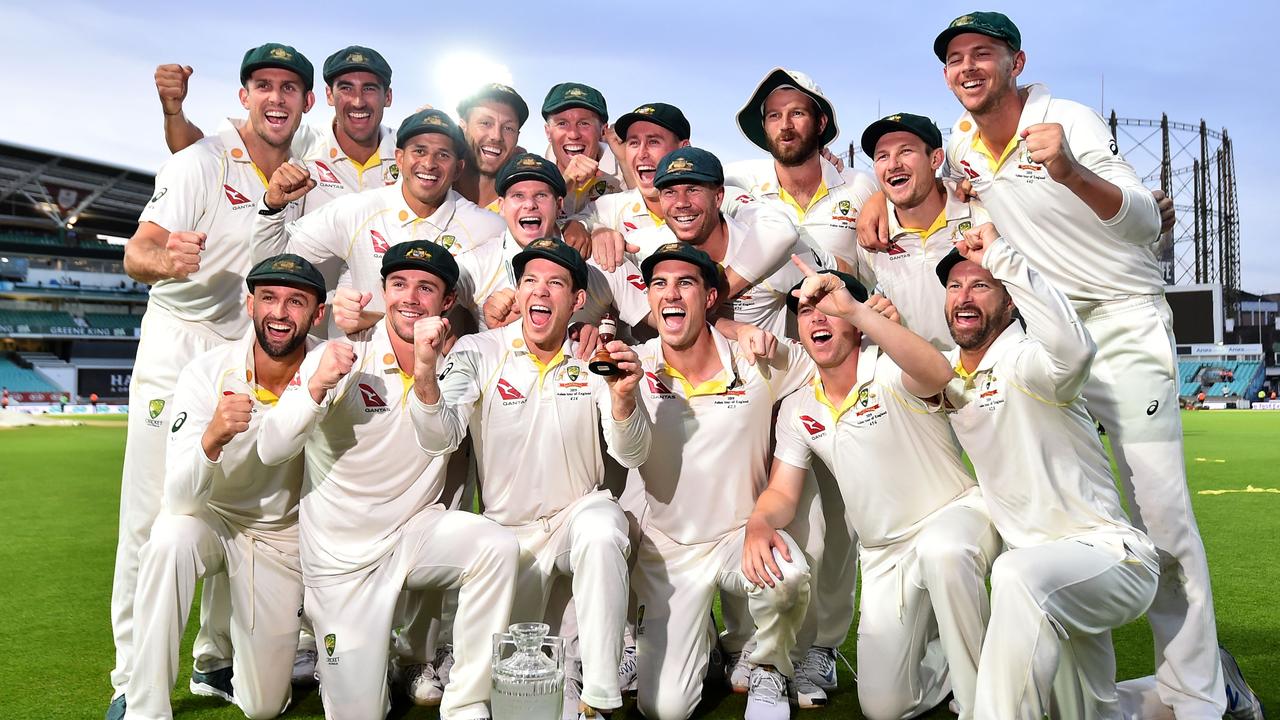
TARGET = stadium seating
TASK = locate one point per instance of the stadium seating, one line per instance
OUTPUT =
(34, 321)
(19, 379)
(113, 320)
(1195, 376)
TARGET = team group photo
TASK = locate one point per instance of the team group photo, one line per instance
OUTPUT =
(539, 399)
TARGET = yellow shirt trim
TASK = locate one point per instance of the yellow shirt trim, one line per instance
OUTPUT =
(265, 396)
(980, 147)
(821, 395)
(964, 374)
(800, 212)
(715, 386)
(938, 223)
(542, 369)
(261, 175)
(658, 220)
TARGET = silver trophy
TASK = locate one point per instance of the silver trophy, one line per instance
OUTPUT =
(528, 673)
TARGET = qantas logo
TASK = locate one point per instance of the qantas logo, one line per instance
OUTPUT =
(895, 249)
(628, 225)
(744, 199)
(380, 244)
(325, 175)
(508, 392)
(234, 196)
(968, 170)
(637, 282)
(373, 402)
(656, 386)
(813, 426)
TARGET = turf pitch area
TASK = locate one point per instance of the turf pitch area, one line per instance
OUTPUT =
(59, 493)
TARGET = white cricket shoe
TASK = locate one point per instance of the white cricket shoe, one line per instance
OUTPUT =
(819, 665)
(422, 685)
(443, 664)
(304, 666)
(738, 672)
(805, 693)
(1242, 702)
(767, 695)
(627, 670)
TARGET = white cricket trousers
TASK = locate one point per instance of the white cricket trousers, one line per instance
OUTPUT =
(676, 585)
(588, 541)
(1052, 610)
(438, 549)
(265, 582)
(1133, 392)
(924, 612)
(167, 345)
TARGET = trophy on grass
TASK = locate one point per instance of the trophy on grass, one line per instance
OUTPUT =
(528, 674)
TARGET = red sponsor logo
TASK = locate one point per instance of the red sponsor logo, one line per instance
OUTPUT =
(656, 386)
(964, 165)
(637, 282)
(508, 392)
(325, 175)
(895, 249)
(745, 199)
(813, 426)
(371, 397)
(380, 244)
(234, 196)
(864, 411)
(296, 380)
(629, 225)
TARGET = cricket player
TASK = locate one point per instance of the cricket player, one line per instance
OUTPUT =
(355, 152)
(575, 116)
(490, 119)
(789, 117)
(223, 511)
(712, 411)
(190, 247)
(690, 183)
(1074, 567)
(531, 192)
(925, 216)
(925, 540)
(371, 519)
(1050, 174)
(534, 411)
(355, 232)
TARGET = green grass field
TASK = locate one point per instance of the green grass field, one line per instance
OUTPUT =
(59, 490)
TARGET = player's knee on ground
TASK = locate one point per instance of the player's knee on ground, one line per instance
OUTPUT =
(885, 700)
(173, 536)
(262, 708)
(670, 703)
(794, 584)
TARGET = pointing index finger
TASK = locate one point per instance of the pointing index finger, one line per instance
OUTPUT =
(804, 268)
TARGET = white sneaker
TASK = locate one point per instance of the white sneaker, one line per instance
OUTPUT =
(422, 686)
(738, 672)
(767, 695)
(627, 670)
(805, 693)
(443, 664)
(1242, 702)
(304, 667)
(819, 666)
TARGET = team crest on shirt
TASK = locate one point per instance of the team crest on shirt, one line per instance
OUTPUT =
(330, 645)
(1028, 170)
(326, 177)
(989, 395)
(448, 241)
(509, 394)
(235, 197)
(868, 410)
(813, 427)
(734, 395)
(373, 402)
(844, 216)
(572, 382)
(600, 188)
(390, 174)
(154, 408)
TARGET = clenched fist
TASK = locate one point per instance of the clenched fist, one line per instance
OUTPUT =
(348, 304)
(973, 245)
(1047, 146)
(182, 254)
(338, 359)
(171, 86)
(429, 335)
(581, 169)
(500, 309)
(230, 418)
(288, 183)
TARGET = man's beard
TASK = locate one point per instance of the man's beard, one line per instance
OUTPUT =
(797, 155)
(277, 352)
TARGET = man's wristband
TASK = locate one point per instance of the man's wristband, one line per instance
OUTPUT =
(267, 209)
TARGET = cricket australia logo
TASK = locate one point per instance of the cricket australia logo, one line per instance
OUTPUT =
(154, 409)
(330, 644)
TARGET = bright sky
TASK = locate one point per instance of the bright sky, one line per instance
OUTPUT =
(80, 74)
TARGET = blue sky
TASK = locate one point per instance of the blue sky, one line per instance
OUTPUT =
(79, 74)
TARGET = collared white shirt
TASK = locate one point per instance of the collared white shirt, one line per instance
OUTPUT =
(906, 271)
(211, 187)
(1020, 417)
(893, 455)
(709, 457)
(353, 232)
(365, 474)
(1089, 259)
(536, 427)
(336, 174)
(237, 486)
(829, 223)
(489, 268)
(608, 180)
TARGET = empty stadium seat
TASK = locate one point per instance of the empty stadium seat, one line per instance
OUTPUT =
(113, 320)
(19, 379)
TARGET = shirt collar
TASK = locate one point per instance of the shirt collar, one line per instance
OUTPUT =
(386, 145)
(439, 219)
(513, 339)
(1008, 339)
(726, 378)
(234, 143)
